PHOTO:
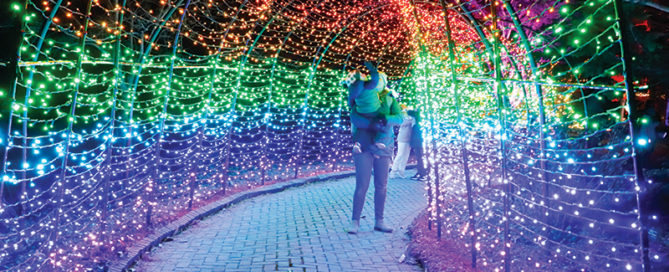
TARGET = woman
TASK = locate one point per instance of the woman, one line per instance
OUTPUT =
(377, 159)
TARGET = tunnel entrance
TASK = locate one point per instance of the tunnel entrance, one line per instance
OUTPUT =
(125, 114)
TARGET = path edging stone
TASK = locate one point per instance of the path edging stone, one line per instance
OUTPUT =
(168, 230)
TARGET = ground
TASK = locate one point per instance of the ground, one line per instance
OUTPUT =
(300, 229)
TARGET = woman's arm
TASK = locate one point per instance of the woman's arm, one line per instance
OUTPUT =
(373, 76)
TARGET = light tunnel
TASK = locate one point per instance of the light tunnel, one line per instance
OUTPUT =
(119, 116)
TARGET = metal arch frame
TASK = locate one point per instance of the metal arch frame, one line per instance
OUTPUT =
(271, 81)
(625, 32)
(42, 36)
(163, 115)
(534, 69)
(338, 122)
(468, 18)
(492, 49)
(498, 75)
(465, 159)
(110, 140)
(40, 43)
(540, 96)
(478, 26)
(242, 63)
(498, 85)
(211, 90)
(73, 107)
(142, 59)
(3, 172)
(314, 66)
(437, 180)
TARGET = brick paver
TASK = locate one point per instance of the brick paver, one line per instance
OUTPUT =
(300, 229)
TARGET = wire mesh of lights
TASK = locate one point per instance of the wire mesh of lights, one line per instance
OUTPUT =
(545, 138)
(126, 114)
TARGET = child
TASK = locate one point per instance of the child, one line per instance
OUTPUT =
(366, 110)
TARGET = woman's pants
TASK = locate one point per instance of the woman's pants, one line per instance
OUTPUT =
(363, 172)
(400, 162)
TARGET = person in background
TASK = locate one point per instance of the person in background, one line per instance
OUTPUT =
(416, 144)
(403, 145)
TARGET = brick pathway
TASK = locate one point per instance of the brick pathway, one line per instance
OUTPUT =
(300, 229)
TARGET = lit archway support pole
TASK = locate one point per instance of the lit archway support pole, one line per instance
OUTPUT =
(242, 64)
(110, 141)
(8, 139)
(212, 81)
(406, 72)
(228, 143)
(305, 112)
(231, 113)
(163, 114)
(502, 121)
(628, 70)
(142, 59)
(31, 74)
(463, 147)
(272, 74)
(437, 181)
(338, 136)
(71, 119)
(542, 113)
(479, 30)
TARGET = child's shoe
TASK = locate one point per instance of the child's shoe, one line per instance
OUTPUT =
(350, 78)
(356, 148)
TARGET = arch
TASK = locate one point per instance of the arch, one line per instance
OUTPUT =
(528, 161)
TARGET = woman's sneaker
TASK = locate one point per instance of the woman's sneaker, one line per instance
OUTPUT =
(419, 177)
(353, 227)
